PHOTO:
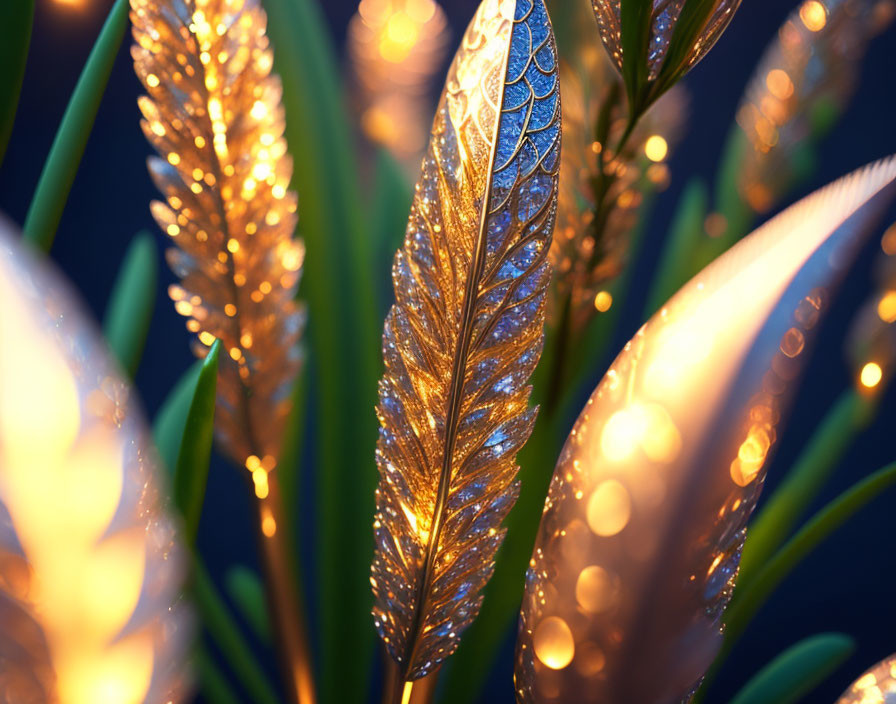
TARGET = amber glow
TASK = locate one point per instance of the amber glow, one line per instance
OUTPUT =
(603, 301)
(877, 686)
(871, 375)
(814, 15)
(886, 308)
(656, 148)
(554, 644)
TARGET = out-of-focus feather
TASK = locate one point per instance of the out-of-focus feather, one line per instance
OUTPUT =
(601, 192)
(90, 572)
(803, 80)
(876, 686)
(214, 116)
(640, 541)
(465, 333)
(395, 48)
(664, 17)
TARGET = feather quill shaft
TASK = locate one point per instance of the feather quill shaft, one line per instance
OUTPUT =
(640, 540)
(214, 115)
(465, 333)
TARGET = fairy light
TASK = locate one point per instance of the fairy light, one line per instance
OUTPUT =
(656, 148)
(814, 15)
(603, 301)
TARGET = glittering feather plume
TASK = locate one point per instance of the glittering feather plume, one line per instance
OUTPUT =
(465, 333)
(803, 81)
(601, 192)
(213, 114)
(640, 540)
(90, 568)
(876, 686)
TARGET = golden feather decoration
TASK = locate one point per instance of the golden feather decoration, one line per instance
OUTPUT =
(213, 114)
(395, 48)
(641, 535)
(601, 192)
(465, 333)
(664, 17)
(803, 81)
(876, 686)
(90, 571)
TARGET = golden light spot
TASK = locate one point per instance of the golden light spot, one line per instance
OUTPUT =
(173, 158)
(888, 241)
(622, 434)
(206, 338)
(259, 110)
(553, 643)
(609, 508)
(596, 589)
(199, 142)
(152, 80)
(656, 148)
(750, 456)
(233, 246)
(871, 375)
(173, 230)
(603, 300)
(886, 309)
(779, 84)
(268, 524)
(814, 15)
(590, 659)
(230, 310)
(260, 480)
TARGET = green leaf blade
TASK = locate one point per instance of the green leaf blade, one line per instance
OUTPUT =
(131, 304)
(191, 470)
(246, 590)
(59, 171)
(168, 425)
(16, 20)
(797, 671)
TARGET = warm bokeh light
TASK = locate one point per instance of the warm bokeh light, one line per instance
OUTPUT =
(656, 148)
(886, 307)
(603, 301)
(814, 15)
(76, 478)
(871, 375)
(640, 539)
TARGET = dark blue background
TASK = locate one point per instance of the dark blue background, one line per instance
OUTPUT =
(845, 586)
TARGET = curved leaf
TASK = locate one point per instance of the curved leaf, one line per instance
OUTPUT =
(797, 671)
(131, 304)
(16, 19)
(247, 592)
(191, 470)
(65, 155)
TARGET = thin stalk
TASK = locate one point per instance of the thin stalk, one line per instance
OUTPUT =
(283, 596)
(397, 691)
(68, 147)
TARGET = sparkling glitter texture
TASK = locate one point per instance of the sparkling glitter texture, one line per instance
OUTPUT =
(877, 686)
(805, 78)
(641, 535)
(395, 48)
(465, 333)
(213, 115)
(591, 241)
(90, 572)
(662, 26)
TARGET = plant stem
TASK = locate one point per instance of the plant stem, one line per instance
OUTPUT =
(397, 691)
(61, 166)
(283, 596)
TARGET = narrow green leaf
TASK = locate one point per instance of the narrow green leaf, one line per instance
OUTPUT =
(226, 634)
(191, 470)
(131, 304)
(693, 18)
(344, 338)
(16, 18)
(747, 603)
(803, 483)
(676, 262)
(62, 164)
(635, 17)
(797, 671)
(212, 682)
(168, 425)
(289, 468)
(246, 590)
